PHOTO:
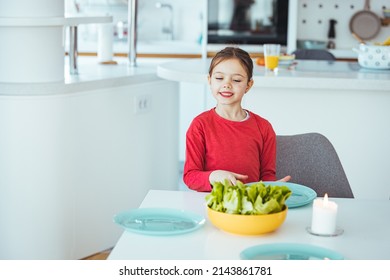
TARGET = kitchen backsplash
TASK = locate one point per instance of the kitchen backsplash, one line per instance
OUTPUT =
(314, 16)
(154, 21)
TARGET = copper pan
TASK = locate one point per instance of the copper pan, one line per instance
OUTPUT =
(366, 24)
(361, 41)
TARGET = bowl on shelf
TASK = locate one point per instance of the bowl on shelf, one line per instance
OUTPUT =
(247, 224)
(286, 59)
(311, 44)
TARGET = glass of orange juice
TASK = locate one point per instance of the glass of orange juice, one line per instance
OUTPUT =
(271, 56)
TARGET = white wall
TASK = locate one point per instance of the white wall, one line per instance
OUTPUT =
(187, 18)
(193, 101)
(314, 16)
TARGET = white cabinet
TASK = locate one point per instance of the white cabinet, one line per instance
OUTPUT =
(71, 160)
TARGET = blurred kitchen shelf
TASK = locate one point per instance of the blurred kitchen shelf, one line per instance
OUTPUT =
(71, 20)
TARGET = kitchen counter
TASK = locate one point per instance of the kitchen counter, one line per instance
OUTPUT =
(92, 75)
(321, 74)
(346, 103)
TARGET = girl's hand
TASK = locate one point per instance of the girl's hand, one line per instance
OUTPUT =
(285, 179)
(221, 175)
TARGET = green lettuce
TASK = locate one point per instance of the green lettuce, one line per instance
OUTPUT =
(214, 201)
(232, 200)
(254, 199)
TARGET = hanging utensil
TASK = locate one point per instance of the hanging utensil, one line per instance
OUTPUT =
(365, 23)
(332, 34)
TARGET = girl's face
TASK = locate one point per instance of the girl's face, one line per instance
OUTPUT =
(229, 82)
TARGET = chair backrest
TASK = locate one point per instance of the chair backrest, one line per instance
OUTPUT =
(314, 54)
(312, 161)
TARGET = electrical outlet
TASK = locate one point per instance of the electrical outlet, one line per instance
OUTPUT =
(142, 104)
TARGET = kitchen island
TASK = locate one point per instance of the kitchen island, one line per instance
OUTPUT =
(346, 103)
(74, 153)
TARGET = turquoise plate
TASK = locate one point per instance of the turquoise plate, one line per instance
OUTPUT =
(289, 251)
(300, 196)
(159, 221)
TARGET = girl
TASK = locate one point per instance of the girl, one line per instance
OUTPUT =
(228, 142)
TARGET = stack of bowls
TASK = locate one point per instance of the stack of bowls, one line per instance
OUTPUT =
(386, 13)
(311, 44)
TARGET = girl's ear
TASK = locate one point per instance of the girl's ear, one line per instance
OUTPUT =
(209, 78)
(250, 84)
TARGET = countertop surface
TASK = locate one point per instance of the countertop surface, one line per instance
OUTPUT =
(305, 74)
(302, 74)
(91, 75)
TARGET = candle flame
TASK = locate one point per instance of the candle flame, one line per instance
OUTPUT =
(325, 199)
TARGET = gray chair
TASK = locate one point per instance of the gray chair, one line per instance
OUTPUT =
(314, 55)
(312, 161)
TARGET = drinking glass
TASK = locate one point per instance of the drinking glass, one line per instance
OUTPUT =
(271, 56)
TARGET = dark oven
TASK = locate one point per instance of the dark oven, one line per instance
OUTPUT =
(247, 21)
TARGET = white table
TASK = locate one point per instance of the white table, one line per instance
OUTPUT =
(366, 225)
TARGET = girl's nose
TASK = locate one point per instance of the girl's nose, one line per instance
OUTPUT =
(227, 85)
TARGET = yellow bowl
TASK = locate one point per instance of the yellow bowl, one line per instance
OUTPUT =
(247, 224)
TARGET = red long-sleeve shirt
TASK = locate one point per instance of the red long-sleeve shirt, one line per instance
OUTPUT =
(215, 143)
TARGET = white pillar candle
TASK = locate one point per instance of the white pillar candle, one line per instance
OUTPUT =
(324, 216)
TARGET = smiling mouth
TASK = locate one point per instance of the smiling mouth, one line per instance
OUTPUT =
(226, 94)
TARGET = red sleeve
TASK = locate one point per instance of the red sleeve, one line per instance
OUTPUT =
(194, 175)
(268, 156)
